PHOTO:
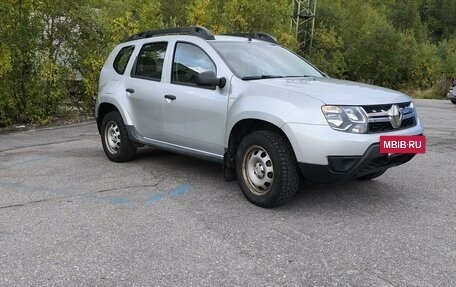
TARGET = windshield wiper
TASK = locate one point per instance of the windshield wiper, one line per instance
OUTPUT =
(301, 76)
(248, 78)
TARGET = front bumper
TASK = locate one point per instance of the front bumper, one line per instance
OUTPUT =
(314, 144)
(451, 95)
(343, 168)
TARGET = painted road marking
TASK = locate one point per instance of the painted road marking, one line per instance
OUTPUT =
(180, 190)
(176, 192)
(156, 198)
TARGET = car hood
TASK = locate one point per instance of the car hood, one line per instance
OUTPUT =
(337, 92)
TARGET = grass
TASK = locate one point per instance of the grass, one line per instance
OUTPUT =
(432, 93)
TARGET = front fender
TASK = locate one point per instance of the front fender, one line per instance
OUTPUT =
(272, 105)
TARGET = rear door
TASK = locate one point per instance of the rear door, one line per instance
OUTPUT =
(144, 90)
(195, 117)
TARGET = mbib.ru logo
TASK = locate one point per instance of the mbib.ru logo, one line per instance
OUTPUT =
(402, 144)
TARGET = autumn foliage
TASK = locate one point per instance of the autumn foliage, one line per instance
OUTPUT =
(52, 51)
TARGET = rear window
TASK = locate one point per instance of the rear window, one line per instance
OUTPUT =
(122, 58)
(149, 64)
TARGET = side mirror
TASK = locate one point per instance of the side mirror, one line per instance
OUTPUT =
(209, 79)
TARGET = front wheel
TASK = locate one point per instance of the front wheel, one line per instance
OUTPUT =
(266, 168)
(114, 137)
(453, 101)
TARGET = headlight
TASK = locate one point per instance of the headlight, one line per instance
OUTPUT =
(346, 119)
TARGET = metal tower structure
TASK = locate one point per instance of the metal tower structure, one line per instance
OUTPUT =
(303, 22)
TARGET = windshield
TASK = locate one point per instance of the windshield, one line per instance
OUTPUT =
(260, 60)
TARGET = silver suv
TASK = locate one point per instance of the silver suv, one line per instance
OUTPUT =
(246, 102)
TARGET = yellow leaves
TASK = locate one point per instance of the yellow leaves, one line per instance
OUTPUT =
(5, 60)
(149, 15)
(122, 27)
(288, 41)
(240, 23)
(218, 29)
(243, 15)
(327, 39)
(136, 18)
(93, 65)
(199, 12)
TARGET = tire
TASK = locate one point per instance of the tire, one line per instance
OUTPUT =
(267, 169)
(371, 176)
(453, 101)
(114, 137)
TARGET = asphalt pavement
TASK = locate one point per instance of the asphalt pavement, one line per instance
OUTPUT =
(70, 217)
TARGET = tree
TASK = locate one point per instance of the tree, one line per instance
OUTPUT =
(174, 11)
(405, 16)
(380, 54)
(446, 50)
(48, 45)
(328, 52)
(203, 13)
(20, 33)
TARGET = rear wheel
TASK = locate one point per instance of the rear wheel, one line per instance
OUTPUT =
(266, 168)
(114, 137)
(371, 176)
(453, 101)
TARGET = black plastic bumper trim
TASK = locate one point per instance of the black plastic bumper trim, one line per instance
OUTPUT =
(344, 168)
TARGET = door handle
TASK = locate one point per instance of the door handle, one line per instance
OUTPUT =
(129, 90)
(170, 97)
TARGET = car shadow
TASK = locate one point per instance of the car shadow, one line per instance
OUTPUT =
(174, 161)
(359, 196)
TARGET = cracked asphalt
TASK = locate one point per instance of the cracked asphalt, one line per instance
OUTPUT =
(70, 217)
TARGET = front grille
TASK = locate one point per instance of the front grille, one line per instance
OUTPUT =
(386, 126)
(379, 120)
(383, 108)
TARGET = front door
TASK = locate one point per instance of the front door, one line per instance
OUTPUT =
(195, 117)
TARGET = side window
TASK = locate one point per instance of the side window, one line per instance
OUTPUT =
(149, 63)
(122, 58)
(189, 61)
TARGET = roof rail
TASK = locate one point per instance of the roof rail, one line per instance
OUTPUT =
(256, 35)
(193, 31)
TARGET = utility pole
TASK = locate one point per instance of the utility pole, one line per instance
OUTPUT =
(303, 23)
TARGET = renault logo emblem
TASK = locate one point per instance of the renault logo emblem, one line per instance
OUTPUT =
(395, 116)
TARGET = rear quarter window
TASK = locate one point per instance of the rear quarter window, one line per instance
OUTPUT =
(122, 58)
